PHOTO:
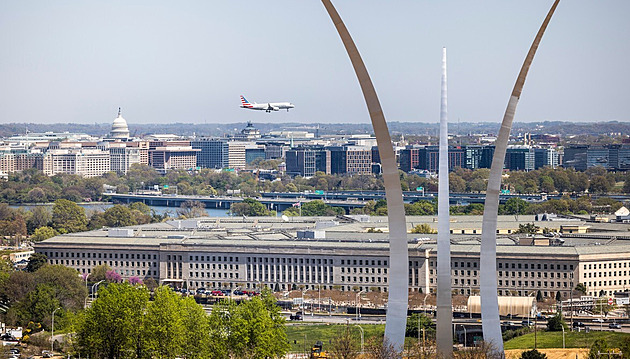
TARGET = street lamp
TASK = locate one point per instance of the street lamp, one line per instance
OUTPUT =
(356, 302)
(463, 327)
(52, 331)
(94, 287)
(424, 302)
(361, 337)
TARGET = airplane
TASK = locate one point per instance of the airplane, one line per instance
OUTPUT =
(267, 107)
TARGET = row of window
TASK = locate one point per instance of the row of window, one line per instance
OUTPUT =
(606, 265)
(538, 266)
(534, 274)
(99, 255)
(605, 274)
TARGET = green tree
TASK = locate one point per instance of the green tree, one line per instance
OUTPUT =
(529, 228)
(68, 217)
(99, 272)
(417, 322)
(196, 327)
(598, 346)
(250, 207)
(420, 208)
(40, 217)
(423, 228)
(113, 326)
(556, 323)
(581, 287)
(319, 208)
(533, 354)
(43, 233)
(600, 184)
(515, 205)
(118, 216)
(164, 330)
(35, 262)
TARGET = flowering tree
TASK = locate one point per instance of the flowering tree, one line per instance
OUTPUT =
(135, 280)
(113, 277)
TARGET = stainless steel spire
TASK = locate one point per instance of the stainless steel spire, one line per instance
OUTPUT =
(444, 334)
(398, 256)
(488, 263)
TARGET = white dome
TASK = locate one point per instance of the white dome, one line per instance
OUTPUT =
(119, 127)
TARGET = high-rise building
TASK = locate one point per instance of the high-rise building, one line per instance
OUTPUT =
(86, 162)
(254, 152)
(575, 157)
(519, 158)
(172, 158)
(350, 160)
(213, 153)
(305, 161)
(478, 157)
(545, 157)
(122, 156)
(236, 154)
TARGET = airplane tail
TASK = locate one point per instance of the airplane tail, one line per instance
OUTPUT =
(245, 103)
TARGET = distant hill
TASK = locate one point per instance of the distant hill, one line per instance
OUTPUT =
(563, 128)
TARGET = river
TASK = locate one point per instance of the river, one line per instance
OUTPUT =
(212, 212)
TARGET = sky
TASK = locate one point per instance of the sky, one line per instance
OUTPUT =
(77, 61)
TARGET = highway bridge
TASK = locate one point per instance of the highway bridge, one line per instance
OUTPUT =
(279, 201)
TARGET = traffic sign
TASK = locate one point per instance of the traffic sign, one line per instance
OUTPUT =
(419, 189)
(610, 301)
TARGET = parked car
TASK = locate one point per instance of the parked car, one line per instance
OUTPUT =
(527, 323)
(598, 320)
(216, 293)
(614, 326)
(578, 325)
(201, 290)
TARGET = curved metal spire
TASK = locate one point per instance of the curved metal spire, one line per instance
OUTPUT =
(488, 263)
(444, 333)
(398, 251)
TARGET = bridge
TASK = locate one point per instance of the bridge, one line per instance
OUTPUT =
(275, 204)
(348, 200)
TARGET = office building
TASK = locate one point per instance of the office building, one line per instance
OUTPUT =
(213, 153)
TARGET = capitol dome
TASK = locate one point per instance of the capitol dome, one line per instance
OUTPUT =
(120, 130)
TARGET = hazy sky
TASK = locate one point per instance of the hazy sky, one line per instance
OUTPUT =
(188, 61)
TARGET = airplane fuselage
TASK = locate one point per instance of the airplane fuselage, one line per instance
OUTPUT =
(268, 107)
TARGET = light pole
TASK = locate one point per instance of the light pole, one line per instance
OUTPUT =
(424, 302)
(356, 302)
(563, 336)
(52, 331)
(463, 327)
(361, 337)
(94, 287)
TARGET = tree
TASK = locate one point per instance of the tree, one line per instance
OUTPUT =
(114, 323)
(164, 330)
(598, 346)
(528, 228)
(43, 233)
(381, 348)
(99, 272)
(35, 262)
(515, 205)
(118, 216)
(539, 297)
(68, 217)
(192, 209)
(533, 354)
(417, 322)
(196, 325)
(319, 208)
(423, 228)
(556, 323)
(599, 184)
(344, 345)
(40, 217)
(250, 207)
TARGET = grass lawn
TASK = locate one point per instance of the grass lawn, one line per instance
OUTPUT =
(573, 340)
(312, 333)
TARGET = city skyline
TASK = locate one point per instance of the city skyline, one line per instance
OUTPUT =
(76, 63)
